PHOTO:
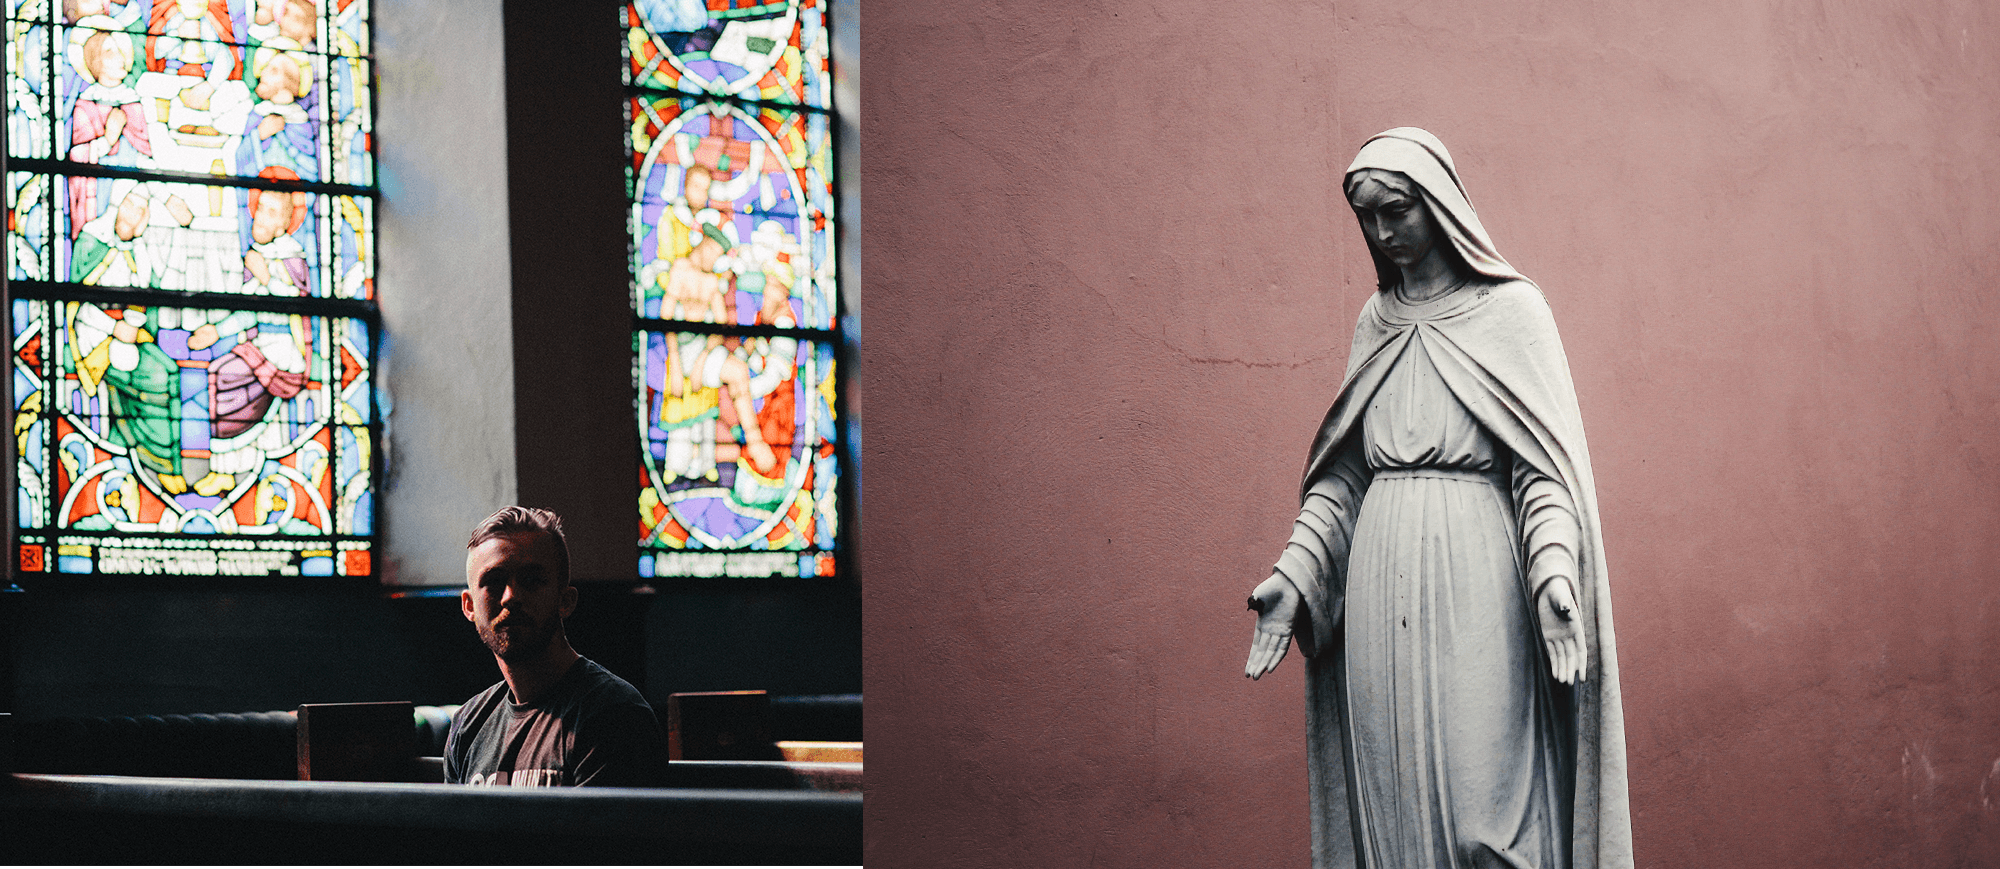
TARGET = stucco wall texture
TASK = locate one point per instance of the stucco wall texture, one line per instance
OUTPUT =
(445, 285)
(1111, 287)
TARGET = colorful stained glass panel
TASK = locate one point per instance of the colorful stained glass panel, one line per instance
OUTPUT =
(351, 222)
(28, 204)
(220, 556)
(745, 49)
(731, 214)
(235, 22)
(210, 108)
(352, 133)
(200, 438)
(35, 10)
(350, 26)
(28, 101)
(738, 449)
(191, 237)
(199, 422)
(31, 426)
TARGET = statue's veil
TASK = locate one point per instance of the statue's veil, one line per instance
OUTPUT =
(1420, 157)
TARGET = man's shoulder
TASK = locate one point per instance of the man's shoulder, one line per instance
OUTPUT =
(493, 694)
(618, 739)
(467, 726)
(480, 706)
(597, 687)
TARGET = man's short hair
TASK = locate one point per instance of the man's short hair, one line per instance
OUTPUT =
(524, 520)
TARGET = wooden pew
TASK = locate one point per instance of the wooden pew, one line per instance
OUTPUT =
(720, 725)
(358, 742)
(123, 819)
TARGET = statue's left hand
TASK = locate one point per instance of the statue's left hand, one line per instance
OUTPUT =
(1276, 602)
(1562, 631)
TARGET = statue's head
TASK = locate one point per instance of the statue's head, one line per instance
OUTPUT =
(1403, 183)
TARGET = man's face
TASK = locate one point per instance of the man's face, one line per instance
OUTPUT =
(515, 594)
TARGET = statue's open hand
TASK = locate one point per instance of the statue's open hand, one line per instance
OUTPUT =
(1562, 631)
(1276, 603)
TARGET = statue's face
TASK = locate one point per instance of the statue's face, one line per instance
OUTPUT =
(1396, 221)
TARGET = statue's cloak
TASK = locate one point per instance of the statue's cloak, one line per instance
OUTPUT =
(1494, 343)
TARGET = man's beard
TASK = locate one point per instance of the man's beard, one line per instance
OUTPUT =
(523, 639)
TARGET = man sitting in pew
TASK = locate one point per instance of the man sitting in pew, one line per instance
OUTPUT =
(555, 718)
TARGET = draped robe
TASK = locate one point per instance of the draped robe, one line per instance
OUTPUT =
(1494, 346)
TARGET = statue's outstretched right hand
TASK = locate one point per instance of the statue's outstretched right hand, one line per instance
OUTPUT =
(1562, 632)
(1276, 603)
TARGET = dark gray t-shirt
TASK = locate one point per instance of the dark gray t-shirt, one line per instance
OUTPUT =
(592, 728)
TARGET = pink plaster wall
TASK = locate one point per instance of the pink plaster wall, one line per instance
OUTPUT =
(1111, 284)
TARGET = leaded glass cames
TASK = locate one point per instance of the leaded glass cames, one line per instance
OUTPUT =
(735, 301)
(190, 258)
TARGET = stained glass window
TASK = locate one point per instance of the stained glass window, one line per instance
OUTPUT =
(736, 308)
(190, 263)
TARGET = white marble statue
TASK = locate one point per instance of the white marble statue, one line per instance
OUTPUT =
(1446, 573)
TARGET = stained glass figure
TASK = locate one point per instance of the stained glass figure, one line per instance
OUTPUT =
(724, 195)
(747, 49)
(208, 87)
(739, 447)
(191, 421)
(227, 428)
(125, 232)
(208, 108)
(734, 292)
(729, 197)
(178, 21)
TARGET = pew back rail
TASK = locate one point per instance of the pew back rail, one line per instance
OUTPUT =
(68, 818)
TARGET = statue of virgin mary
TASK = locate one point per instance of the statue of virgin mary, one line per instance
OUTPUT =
(1446, 575)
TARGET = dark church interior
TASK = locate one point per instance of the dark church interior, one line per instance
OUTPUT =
(165, 719)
